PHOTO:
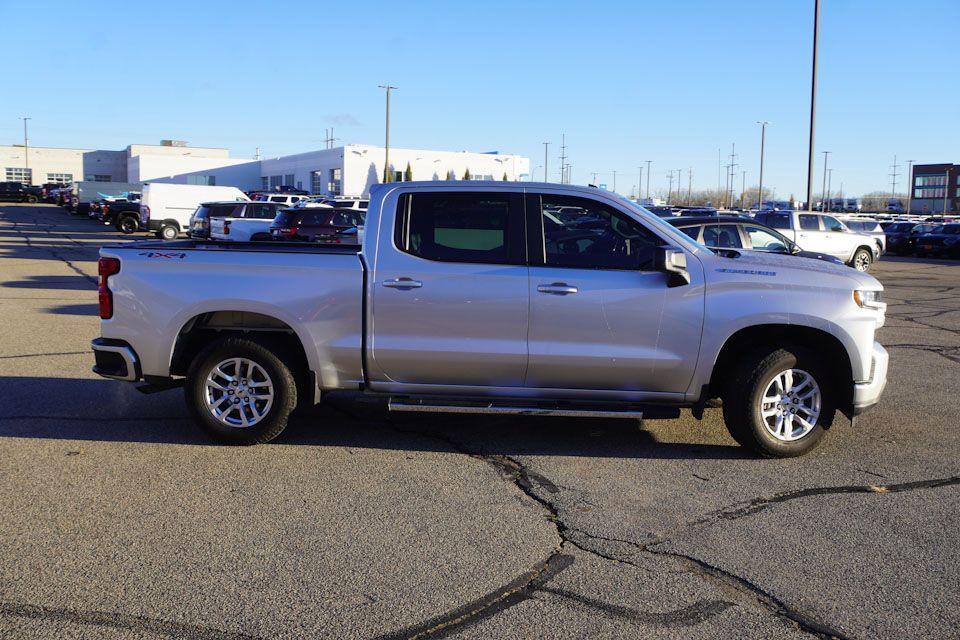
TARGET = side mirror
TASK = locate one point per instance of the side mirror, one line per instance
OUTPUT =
(673, 262)
(837, 229)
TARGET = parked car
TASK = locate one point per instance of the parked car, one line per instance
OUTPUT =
(823, 233)
(894, 205)
(942, 240)
(285, 199)
(870, 228)
(237, 221)
(166, 209)
(734, 232)
(917, 232)
(19, 192)
(315, 225)
(464, 299)
(898, 235)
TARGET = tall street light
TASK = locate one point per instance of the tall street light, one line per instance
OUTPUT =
(763, 141)
(813, 103)
(386, 157)
(26, 151)
(823, 192)
(648, 178)
(909, 185)
(546, 162)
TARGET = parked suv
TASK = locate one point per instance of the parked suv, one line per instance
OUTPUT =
(315, 224)
(262, 212)
(943, 240)
(285, 199)
(823, 233)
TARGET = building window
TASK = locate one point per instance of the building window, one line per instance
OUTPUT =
(204, 180)
(335, 183)
(931, 181)
(60, 178)
(275, 181)
(316, 182)
(264, 182)
(19, 174)
(98, 177)
(483, 177)
(288, 180)
(930, 193)
(299, 185)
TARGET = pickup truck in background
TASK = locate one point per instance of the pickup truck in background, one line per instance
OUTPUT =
(19, 192)
(474, 297)
(824, 234)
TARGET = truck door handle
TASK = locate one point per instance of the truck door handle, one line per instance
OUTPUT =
(403, 283)
(557, 288)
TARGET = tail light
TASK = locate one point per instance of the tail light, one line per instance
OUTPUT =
(106, 267)
(226, 227)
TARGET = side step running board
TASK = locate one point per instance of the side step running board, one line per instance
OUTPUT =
(573, 411)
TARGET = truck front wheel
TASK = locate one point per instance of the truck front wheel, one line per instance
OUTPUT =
(240, 392)
(778, 402)
(128, 225)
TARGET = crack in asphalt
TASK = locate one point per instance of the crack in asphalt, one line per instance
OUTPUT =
(691, 615)
(950, 353)
(120, 621)
(759, 504)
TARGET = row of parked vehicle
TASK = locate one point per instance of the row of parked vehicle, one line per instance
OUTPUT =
(228, 214)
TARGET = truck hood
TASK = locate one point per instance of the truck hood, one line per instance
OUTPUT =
(755, 261)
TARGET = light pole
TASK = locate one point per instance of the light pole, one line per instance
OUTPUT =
(829, 187)
(689, 185)
(640, 183)
(546, 162)
(26, 151)
(763, 142)
(823, 192)
(614, 180)
(813, 103)
(670, 187)
(909, 185)
(946, 189)
(386, 146)
(743, 191)
(679, 173)
(648, 179)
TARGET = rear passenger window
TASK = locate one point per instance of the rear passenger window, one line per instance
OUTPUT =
(456, 227)
(722, 236)
(809, 222)
(693, 232)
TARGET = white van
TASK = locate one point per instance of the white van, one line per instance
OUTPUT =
(166, 208)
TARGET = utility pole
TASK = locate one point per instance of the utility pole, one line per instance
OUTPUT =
(670, 187)
(893, 179)
(719, 180)
(387, 177)
(823, 191)
(26, 151)
(909, 186)
(329, 139)
(732, 172)
(258, 154)
(546, 161)
(829, 186)
(679, 174)
(813, 103)
(763, 142)
(563, 158)
(648, 178)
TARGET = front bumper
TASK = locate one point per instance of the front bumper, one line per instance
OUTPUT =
(866, 394)
(115, 359)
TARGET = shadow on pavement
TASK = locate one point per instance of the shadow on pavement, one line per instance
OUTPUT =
(75, 310)
(103, 410)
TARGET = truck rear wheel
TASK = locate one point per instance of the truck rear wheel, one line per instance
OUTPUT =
(128, 225)
(779, 401)
(168, 231)
(240, 392)
(32, 199)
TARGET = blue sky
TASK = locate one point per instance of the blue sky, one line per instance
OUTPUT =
(626, 81)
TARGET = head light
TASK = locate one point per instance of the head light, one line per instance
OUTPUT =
(867, 299)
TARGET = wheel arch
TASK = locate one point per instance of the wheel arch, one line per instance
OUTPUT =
(818, 340)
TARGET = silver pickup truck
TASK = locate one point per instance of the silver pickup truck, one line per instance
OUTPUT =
(503, 298)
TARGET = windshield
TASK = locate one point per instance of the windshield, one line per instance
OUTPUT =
(664, 227)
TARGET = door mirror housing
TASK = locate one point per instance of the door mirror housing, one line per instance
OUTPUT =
(673, 262)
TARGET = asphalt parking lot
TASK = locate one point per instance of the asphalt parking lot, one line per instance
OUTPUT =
(120, 521)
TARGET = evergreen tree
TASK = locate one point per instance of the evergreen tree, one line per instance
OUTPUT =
(408, 174)
(466, 174)
(450, 175)
(505, 178)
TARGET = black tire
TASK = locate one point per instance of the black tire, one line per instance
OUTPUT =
(862, 259)
(745, 388)
(168, 231)
(128, 225)
(284, 392)
(32, 199)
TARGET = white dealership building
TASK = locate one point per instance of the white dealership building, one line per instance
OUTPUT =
(348, 170)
